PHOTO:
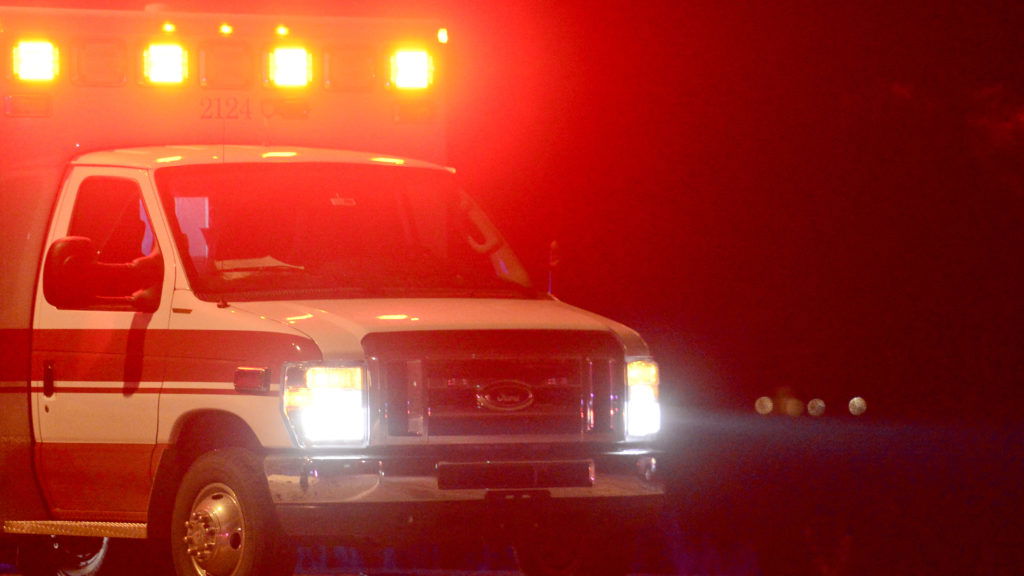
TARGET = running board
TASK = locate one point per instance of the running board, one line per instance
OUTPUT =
(76, 528)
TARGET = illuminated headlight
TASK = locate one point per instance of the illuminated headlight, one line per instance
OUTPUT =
(326, 405)
(643, 412)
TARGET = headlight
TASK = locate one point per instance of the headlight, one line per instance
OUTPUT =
(326, 405)
(643, 412)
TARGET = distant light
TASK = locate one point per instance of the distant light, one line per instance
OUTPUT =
(36, 61)
(226, 29)
(858, 406)
(291, 67)
(442, 35)
(166, 63)
(792, 407)
(169, 27)
(386, 160)
(411, 70)
(282, 30)
(816, 407)
(764, 405)
(279, 154)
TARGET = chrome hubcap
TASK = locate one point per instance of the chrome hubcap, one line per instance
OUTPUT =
(215, 531)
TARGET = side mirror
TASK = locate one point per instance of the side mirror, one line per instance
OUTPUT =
(73, 279)
(69, 273)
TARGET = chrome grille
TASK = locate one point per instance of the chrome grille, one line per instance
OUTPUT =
(464, 397)
(497, 383)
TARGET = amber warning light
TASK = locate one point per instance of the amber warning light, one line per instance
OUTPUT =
(36, 61)
(291, 67)
(165, 63)
(169, 61)
(412, 70)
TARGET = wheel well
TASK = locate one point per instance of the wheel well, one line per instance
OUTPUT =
(194, 435)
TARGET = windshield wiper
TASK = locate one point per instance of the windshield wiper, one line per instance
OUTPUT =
(264, 263)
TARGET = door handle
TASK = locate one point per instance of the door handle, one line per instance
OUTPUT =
(48, 388)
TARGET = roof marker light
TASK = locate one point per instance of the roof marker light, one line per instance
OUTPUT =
(165, 64)
(411, 70)
(226, 29)
(291, 67)
(282, 30)
(442, 35)
(36, 61)
(169, 27)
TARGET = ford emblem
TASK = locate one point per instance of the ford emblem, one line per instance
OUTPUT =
(505, 396)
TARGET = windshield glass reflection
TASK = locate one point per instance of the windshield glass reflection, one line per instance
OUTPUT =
(312, 230)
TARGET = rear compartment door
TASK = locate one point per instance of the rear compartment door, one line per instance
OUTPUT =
(97, 367)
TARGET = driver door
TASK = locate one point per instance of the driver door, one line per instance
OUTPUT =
(96, 364)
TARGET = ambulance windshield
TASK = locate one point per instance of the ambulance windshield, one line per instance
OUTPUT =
(333, 230)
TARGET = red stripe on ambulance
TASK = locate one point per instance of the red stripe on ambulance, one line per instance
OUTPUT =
(161, 355)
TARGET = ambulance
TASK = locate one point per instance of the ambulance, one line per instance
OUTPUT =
(246, 305)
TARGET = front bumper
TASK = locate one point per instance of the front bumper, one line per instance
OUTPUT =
(330, 494)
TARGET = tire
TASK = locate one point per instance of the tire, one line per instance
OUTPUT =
(224, 523)
(62, 556)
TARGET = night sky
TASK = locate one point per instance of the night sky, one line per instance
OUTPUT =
(819, 197)
(822, 198)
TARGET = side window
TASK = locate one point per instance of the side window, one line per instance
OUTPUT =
(109, 259)
(109, 212)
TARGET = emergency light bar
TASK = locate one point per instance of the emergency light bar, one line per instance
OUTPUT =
(146, 77)
(168, 62)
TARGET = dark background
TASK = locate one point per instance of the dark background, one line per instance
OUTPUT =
(806, 199)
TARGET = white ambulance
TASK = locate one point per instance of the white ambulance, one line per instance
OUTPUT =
(238, 315)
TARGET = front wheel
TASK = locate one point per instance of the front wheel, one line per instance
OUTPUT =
(224, 523)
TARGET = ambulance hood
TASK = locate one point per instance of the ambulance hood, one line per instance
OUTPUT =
(338, 326)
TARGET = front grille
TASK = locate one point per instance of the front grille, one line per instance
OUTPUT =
(497, 383)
